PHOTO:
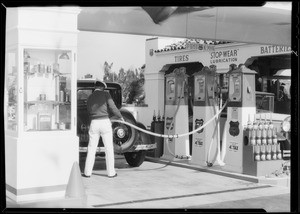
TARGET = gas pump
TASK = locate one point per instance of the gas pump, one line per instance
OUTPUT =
(205, 141)
(176, 114)
(241, 106)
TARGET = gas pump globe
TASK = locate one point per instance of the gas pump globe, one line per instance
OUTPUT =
(176, 114)
(241, 105)
(205, 140)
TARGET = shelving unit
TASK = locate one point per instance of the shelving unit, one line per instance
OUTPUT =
(47, 89)
(262, 159)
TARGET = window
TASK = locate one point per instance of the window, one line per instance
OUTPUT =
(47, 90)
(11, 92)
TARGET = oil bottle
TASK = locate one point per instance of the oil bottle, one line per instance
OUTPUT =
(259, 132)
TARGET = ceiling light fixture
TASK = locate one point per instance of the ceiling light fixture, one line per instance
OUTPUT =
(64, 56)
(279, 5)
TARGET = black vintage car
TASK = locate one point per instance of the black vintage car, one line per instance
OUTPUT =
(127, 140)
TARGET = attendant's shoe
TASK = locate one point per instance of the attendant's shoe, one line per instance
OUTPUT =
(113, 176)
(86, 176)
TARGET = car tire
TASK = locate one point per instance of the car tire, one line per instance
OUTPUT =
(82, 155)
(135, 159)
(122, 145)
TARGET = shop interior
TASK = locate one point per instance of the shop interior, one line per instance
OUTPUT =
(274, 77)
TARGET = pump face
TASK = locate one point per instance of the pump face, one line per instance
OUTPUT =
(235, 92)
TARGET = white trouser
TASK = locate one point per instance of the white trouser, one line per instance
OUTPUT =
(100, 127)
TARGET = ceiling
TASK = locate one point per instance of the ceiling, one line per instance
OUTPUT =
(260, 25)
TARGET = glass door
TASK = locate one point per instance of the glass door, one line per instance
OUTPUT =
(11, 92)
(47, 90)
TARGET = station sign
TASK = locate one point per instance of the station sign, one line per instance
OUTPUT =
(224, 56)
(181, 58)
(197, 46)
(274, 49)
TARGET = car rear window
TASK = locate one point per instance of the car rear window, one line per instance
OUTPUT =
(83, 94)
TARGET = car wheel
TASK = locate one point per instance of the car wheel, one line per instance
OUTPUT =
(135, 159)
(124, 136)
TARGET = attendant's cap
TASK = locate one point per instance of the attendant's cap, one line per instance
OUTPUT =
(100, 83)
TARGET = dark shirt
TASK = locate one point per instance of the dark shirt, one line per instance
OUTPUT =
(99, 103)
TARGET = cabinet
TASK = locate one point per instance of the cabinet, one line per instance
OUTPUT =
(41, 144)
(47, 90)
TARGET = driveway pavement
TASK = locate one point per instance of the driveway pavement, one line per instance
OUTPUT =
(163, 185)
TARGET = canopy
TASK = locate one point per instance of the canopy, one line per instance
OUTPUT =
(259, 25)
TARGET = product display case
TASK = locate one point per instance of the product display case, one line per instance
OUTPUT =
(41, 144)
(47, 90)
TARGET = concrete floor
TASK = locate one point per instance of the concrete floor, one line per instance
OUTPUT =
(158, 184)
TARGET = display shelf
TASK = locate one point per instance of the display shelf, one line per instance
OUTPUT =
(47, 102)
(55, 74)
(260, 167)
(53, 130)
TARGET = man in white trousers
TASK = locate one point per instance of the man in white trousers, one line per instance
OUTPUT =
(98, 104)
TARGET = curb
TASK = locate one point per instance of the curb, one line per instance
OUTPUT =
(279, 181)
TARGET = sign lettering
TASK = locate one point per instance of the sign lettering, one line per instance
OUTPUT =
(270, 49)
(182, 58)
(198, 142)
(233, 146)
(223, 56)
(197, 46)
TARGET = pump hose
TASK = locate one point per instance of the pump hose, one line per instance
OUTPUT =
(175, 135)
(212, 139)
(218, 159)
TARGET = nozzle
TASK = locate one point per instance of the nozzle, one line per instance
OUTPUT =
(158, 115)
(260, 118)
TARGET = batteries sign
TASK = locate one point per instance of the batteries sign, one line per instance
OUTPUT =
(271, 49)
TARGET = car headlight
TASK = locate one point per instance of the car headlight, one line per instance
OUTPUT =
(286, 125)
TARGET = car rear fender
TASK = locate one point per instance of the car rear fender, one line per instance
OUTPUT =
(143, 137)
(127, 113)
